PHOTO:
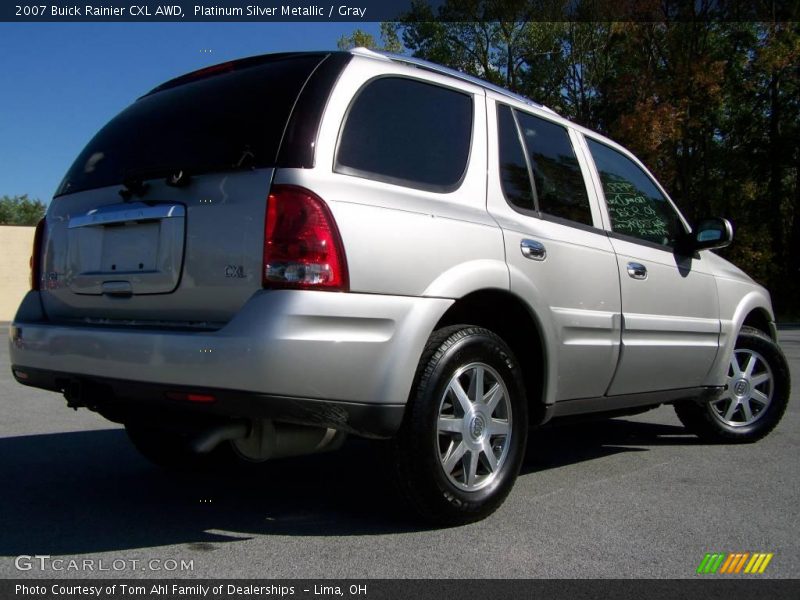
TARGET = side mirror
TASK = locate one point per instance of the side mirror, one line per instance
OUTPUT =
(707, 234)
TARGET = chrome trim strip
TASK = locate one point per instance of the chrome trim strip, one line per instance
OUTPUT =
(123, 213)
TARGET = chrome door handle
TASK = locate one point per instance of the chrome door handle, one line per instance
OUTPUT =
(533, 249)
(637, 270)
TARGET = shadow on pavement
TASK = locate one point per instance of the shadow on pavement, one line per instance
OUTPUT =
(85, 492)
(568, 443)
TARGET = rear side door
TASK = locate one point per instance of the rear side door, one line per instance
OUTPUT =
(670, 308)
(559, 256)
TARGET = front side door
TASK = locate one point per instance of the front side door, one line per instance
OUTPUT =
(560, 258)
(670, 309)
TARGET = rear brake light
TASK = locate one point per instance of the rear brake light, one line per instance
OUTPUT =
(302, 246)
(36, 258)
(191, 397)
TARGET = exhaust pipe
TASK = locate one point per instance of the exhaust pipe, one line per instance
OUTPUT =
(208, 440)
(263, 439)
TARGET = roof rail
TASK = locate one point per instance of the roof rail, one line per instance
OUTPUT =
(436, 68)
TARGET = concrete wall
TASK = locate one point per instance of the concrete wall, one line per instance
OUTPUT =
(16, 244)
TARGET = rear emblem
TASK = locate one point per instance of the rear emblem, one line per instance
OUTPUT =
(235, 271)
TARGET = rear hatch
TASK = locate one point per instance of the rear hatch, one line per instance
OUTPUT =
(160, 220)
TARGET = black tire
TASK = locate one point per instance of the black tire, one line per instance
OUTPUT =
(707, 421)
(171, 450)
(448, 498)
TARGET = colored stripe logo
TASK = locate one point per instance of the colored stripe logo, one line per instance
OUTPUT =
(734, 563)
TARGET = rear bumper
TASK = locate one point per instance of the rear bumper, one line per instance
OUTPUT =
(123, 401)
(290, 354)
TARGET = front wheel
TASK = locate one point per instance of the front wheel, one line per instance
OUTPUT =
(462, 442)
(755, 395)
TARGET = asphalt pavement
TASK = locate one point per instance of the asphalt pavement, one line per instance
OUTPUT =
(625, 498)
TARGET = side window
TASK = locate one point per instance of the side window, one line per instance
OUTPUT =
(635, 205)
(560, 188)
(514, 177)
(407, 132)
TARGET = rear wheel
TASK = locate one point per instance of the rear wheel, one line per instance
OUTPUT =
(755, 395)
(461, 445)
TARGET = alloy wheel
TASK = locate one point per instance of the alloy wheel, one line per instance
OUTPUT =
(474, 427)
(748, 392)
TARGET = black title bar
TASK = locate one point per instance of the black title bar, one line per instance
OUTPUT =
(388, 10)
(384, 589)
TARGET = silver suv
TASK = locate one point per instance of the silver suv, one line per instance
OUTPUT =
(256, 259)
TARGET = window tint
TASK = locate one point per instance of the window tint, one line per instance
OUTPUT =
(635, 205)
(224, 117)
(560, 189)
(405, 131)
(514, 177)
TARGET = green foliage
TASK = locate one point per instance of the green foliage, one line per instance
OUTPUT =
(711, 105)
(20, 210)
(361, 39)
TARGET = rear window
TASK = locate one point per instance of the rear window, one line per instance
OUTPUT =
(210, 121)
(514, 175)
(560, 189)
(407, 132)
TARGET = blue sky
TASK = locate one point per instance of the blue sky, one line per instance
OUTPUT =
(61, 82)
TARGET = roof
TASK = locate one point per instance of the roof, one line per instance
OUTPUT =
(436, 68)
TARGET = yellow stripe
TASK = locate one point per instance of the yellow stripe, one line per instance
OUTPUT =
(766, 562)
(756, 566)
(724, 568)
(741, 562)
(752, 562)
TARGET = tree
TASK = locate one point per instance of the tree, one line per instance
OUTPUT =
(709, 102)
(362, 39)
(20, 210)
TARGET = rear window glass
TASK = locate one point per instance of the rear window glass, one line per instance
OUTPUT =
(514, 175)
(560, 188)
(407, 132)
(233, 119)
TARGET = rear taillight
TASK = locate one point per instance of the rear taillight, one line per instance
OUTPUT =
(191, 397)
(36, 257)
(302, 246)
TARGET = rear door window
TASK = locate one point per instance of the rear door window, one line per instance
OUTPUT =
(226, 117)
(560, 188)
(538, 167)
(514, 175)
(407, 132)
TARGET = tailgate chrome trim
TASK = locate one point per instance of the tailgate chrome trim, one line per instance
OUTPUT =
(122, 213)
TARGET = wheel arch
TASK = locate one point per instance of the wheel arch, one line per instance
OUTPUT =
(759, 318)
(753, 309)
(505, 314)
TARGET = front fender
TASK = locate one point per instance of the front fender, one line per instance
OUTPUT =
(737, 300)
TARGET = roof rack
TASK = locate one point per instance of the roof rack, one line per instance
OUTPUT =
(436, 68)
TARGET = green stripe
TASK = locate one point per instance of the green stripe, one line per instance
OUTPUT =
(703, 564)
(718, 563)
(711, 562)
